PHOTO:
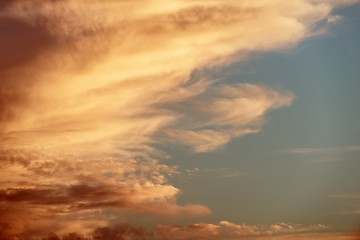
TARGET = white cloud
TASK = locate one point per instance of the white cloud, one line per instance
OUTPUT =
(334, 19)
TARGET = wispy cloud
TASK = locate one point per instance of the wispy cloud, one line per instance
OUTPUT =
(334, 19)
(324, 150)
(346, 196)
(232, 174)
(89, 88)
(352, 201)
(221, 172)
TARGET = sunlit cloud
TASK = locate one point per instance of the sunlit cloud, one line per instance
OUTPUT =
(89, 89)
(233, 110)
(60, 191)
(223, 230)
(101, 80)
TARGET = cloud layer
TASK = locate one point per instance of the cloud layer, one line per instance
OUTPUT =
(90, 88)
(223, 230)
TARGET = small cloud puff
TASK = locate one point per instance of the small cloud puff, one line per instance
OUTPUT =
(334, 18)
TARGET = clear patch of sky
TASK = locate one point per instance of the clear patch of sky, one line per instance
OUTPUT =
(275, 186)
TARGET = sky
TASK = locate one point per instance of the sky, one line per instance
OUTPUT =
(179, 120)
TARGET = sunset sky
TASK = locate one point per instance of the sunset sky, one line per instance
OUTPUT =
(179, 119)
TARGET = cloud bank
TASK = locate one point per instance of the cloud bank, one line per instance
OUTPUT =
(90, 88)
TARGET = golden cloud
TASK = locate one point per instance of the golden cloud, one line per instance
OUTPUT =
(89, 87)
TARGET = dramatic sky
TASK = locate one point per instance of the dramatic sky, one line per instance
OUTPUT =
(179, 119)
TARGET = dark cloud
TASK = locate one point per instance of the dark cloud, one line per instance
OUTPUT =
(5, 3)
(49, 193)
(120, 232)
(20, 41)
(21, 44)
(74, 197)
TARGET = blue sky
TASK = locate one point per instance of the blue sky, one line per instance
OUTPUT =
(268, 181)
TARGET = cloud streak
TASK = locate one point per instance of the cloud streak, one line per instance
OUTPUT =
(345, 149)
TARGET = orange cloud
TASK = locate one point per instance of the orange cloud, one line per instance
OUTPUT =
(102, 81)
(89, 87)
(64, 194)
(205, 231)
(233, 110)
